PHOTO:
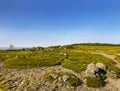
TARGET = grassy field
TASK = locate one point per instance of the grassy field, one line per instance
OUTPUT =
(34, 59)
(75, 57)
(79, 62)
(95, 47)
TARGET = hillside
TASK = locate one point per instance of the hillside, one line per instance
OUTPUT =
(75, 67)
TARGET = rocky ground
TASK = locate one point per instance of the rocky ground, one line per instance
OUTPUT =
(35, 79)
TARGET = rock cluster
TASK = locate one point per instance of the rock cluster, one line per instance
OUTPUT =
(62, 79)
(35, 80)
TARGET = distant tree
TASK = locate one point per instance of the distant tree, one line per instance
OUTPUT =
(11, 46)
(39, 48)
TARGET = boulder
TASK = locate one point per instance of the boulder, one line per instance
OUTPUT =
(95, 70)
(101, 66)
(91, 70)
(92, 67)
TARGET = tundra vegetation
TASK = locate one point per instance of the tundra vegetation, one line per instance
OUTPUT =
(75, 57)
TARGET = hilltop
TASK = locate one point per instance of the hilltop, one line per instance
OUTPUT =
(75, 67)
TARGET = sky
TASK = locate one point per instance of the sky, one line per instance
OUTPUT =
(28, 23)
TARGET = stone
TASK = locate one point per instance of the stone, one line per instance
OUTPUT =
(95, 70)
(101, 66)
(54, 76)
(91, 69)
(60, 79)
(65, 78)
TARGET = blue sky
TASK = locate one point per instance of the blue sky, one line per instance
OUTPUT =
(56, 22)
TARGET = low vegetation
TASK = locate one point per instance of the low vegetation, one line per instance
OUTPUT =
(34, 59)
(118, 58)
(75, 57)
(94, 82)
(79, 61)
(58, 76)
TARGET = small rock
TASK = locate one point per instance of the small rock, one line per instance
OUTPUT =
(65, 78)
(60, 79)
(54, 76)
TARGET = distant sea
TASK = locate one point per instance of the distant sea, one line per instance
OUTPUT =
(7, 48)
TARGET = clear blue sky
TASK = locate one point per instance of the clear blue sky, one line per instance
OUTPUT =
(57, 22)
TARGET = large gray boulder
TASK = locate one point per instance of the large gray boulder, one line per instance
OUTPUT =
(101, 66)
(95, 70)
(91, 70)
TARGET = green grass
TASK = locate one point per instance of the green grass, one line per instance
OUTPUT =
(95, 47)
(77, 58)
(118, 58)
(79, 61)
(94, 82)
(34, 59)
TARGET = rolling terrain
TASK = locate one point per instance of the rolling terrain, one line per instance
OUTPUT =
(75, 67)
